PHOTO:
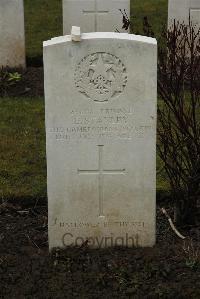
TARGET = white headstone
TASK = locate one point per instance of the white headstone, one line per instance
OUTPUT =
(100, 98)
(12, 37)
(183, 11)
(94, 15)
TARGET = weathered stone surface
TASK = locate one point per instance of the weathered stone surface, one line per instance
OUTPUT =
(94, 15)
(184, 10)
(12, 49)
(100, 97)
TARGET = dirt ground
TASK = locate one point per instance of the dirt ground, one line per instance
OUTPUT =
(30, 85)
(28, 270)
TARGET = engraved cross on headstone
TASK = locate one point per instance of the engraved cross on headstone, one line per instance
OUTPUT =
(101, 172)
(96, 12)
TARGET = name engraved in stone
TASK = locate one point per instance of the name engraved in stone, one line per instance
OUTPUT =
(84, 132)
(115, 123)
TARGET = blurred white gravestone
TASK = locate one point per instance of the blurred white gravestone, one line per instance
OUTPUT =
(12, 36)
(101, 139)
(183, 11)
(94, 15)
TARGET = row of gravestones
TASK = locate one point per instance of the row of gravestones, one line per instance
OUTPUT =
(101, 114)
(90, 15)
(100, 106)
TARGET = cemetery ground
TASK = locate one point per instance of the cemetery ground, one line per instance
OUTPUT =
(170, 269)
(27, 270)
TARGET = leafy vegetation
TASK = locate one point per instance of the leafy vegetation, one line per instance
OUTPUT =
(8, 78)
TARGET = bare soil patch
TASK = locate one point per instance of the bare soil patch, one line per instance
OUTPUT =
(27, 270)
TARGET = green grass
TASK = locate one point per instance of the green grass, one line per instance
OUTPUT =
(43, 20)
(22, 148)
(154, 10)
(22, 133)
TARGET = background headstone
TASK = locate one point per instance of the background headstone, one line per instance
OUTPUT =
(101, 139)
(94, 15)
(184, 10)
(12, 37)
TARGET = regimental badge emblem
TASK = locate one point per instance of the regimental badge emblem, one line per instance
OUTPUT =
(100, 76)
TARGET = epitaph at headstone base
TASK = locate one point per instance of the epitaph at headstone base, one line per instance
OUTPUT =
(101, 139)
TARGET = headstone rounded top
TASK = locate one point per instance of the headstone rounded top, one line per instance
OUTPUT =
(103, 35)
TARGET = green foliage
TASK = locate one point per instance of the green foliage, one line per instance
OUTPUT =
(13, 78)
(8, 78)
